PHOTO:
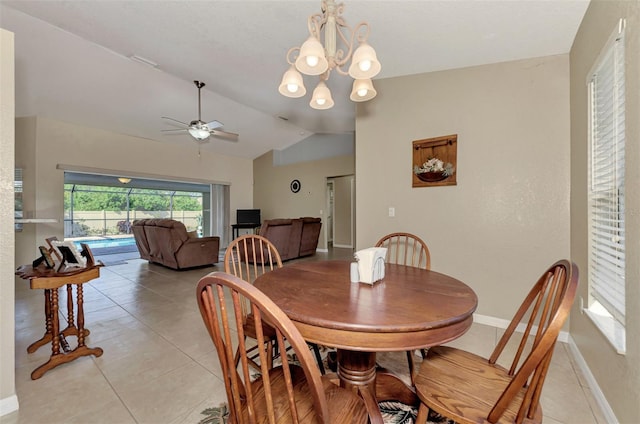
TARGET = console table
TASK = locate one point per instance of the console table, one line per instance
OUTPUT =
(50, 281)
(236, 227)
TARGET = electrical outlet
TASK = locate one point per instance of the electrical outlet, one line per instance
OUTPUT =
(392, 212)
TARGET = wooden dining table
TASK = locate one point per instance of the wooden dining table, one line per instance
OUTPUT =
(411, 308)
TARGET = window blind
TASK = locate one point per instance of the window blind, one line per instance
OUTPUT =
(606, 179)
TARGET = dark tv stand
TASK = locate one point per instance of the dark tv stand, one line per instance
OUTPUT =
(236, 227)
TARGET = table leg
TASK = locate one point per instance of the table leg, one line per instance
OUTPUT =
(71, 329)
(46, 339)
(357, 372)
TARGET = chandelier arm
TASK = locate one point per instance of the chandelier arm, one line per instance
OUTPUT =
(291, 60)
(354, 34)
(314, 23)
(341, 59)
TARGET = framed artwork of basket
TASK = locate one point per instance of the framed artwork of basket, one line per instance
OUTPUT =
(435, 161)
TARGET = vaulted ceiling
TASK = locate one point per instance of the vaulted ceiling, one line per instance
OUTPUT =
(73, 58)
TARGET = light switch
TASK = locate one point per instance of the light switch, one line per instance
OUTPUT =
(392, 212)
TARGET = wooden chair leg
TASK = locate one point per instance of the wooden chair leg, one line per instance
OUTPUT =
(411, 366)
(423, 414)
(270, 355)
(316, 351)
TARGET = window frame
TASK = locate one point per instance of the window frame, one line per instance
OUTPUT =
(606, 192)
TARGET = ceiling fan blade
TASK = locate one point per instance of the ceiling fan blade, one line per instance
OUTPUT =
(214, 125)
(175, 120)
(175, 130)
(225, 134)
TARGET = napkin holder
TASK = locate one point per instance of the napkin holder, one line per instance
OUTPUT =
(371, 264)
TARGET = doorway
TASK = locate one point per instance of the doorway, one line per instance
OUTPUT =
(340, 201)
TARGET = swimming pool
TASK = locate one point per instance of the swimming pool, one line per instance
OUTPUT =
(123, 242)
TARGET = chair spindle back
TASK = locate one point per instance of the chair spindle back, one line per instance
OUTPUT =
(406, 249)
(219, 298)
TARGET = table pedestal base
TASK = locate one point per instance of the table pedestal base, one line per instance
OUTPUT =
(357, 371)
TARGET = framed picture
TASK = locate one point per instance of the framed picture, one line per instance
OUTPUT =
(87, 253)
(71, 257)
(48, 260)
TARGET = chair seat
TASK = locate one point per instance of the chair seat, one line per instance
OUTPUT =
(250, 328)
(465, 387)
(344, 406)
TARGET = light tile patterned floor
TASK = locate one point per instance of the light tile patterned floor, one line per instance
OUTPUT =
(159, 365)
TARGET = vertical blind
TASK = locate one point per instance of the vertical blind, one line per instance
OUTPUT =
(606, 179)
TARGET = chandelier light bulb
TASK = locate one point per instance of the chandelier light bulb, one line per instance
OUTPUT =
(312, 61)
(321, 98)
(292, 84)
(362, 90)
(364, 65)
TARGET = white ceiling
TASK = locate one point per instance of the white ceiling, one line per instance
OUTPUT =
(73, 58)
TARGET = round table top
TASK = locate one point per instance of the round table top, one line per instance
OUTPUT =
(409, 309)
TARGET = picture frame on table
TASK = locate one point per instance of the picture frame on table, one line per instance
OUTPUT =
(71, 257)
(88, 254)
(48, 260)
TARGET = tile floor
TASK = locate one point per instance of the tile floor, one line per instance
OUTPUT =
(159, 365)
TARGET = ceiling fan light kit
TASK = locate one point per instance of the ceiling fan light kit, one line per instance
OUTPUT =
(200, 130)
(315, 59)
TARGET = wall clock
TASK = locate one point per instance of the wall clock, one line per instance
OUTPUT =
(295, 186)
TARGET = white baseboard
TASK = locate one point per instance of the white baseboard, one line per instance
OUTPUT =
(344, 246)
(503, 323)
(608, 413)
(564, 337)
(8, 405)
(322, 250)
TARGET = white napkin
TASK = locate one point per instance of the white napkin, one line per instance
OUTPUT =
(371, 264)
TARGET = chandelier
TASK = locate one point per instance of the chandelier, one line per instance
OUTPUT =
(315, 59)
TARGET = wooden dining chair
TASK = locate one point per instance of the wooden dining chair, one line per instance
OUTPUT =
(248, 257)
(470, 389)
(407, 249)
(285, 394)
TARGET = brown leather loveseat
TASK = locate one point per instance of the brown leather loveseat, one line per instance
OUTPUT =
(166, 242)
(294, 238)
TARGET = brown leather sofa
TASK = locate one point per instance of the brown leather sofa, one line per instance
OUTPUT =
(166, 242)
(294, 238)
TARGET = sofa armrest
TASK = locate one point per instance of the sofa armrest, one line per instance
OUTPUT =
(198, 251)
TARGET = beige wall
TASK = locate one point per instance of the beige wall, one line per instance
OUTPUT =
(507, 218)
(273, 197)
(8, 399)
(617, 375)
(48, 143)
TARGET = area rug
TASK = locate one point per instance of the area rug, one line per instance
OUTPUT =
(392, 413)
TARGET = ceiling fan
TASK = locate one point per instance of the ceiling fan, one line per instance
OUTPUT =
(200, 130)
